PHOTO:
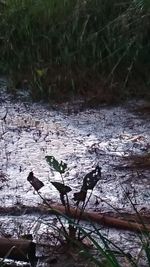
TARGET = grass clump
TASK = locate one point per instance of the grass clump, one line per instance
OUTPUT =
(68, 47)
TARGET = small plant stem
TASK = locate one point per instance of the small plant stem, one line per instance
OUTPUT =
(58, 217)
(67, 205)
(81, 211)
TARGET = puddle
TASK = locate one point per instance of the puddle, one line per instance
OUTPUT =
(83, 139)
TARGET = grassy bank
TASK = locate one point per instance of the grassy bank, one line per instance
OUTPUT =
(93, 48)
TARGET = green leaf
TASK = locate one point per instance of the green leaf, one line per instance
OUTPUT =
(35, 182)
(63, 189)
(41, 72)
(91, 179)
(80, 196)
(59, 167)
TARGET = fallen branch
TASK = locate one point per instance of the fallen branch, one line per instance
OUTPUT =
(104, 219)
(130, 222)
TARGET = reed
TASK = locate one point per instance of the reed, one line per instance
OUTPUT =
(70, 47)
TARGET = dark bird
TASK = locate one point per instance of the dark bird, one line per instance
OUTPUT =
(35, 182)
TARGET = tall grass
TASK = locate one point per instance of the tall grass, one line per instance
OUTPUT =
(64, 47)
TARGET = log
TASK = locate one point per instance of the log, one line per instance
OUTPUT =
(18, 249)
(103, 219)
(129, 222)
